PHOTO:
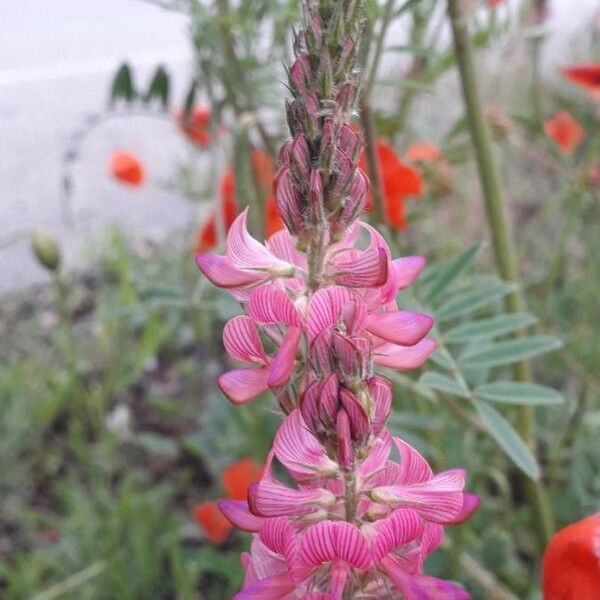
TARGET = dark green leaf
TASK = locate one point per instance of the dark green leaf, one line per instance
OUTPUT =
(512, 392)
(159, 87)
(122, 85)
(488, 328)
(446, 275)
(442, 383)
(467, 302)
(509, 352)
(508, 439)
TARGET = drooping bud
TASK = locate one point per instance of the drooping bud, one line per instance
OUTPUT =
(46, 249)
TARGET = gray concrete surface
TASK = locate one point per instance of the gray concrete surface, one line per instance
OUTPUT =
(56, 61)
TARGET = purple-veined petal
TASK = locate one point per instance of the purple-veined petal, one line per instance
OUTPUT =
(400, 327)
(273, 499)
(413, 467)
(238, 513)
(245, 252)
(220, 271)
(270, 304)
(404, 358)
(365, 269)
(242, 342)
(300, 451)
(243, 385)
(381, 393)
(377, 458)
(471, 503)
(325, 309)
(344, 438)
(357, 415)
(274, 587)
(283, 246)
(334, 541)
(279, 536)
(283, 363)
(402, 526)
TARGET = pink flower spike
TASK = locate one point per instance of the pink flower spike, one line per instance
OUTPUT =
(242, 342)
(300, 452)
(405, 328)
(243, 385)
(270, 304)
(283, 363)
(404, 358)
(238, 513)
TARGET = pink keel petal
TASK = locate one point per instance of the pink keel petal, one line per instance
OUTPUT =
(239, 514)
(275, 587)
(243, 385)
(402, 526)
(407, 270)
(404, 358)
(400, 327)
(283, 364)
(242, 341)
(269, 304)
(220, 271)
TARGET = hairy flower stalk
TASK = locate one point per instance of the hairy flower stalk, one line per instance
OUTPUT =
(349, 521)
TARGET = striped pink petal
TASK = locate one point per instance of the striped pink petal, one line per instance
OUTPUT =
(245, 252)
(242, 342)
(238, 513)
(439, 500)
(270, 304)
(357, 415)
(377, 459)
(400, 327)
(413, 467)
(402, 526)
(332, 541)
(404, 358)
(283, 363)
(283, 246)
(363, 269)
(300, 451)
(221, 271)
(243, 385)
(471, 503)
(325, 309)
(381, 394)
(274, 587)
(279, 536)
(273, 499)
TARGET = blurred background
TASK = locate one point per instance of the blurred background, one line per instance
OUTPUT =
(126, 143)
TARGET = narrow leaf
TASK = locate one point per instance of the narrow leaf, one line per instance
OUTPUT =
(489, 328)
(445, 276)
(122, 85)
(442, 383)
(442, 359)
(468, 302)
(512, 392)
(508, 439)
(508, 352)
(159, 87)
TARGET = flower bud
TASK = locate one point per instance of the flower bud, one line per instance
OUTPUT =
(310, 114)
(346, 97)
(289, 200)
(300, 75)
(357, 415)
(315, 197)
(344, 439)
(349, 142)
(293, 111)
(46, 249)
(325, 75)
(299, 157)
(283, 157)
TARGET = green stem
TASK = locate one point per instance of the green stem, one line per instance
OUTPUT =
(386, 19)
(62, 307)
(503, 250)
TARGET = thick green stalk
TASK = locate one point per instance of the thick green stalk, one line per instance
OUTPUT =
(502, 244)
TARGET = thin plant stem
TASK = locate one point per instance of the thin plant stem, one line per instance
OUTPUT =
(502, 245)
(73, 582)
(386, 19)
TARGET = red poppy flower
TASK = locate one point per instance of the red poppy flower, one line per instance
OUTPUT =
(211, 519)
(196, 125)
(572, 562)
(127, 168)
(494, 3)
(398, 180)
(423, 152)
(263, 171)
(566, 132)
(237, 478)
(586, 75)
